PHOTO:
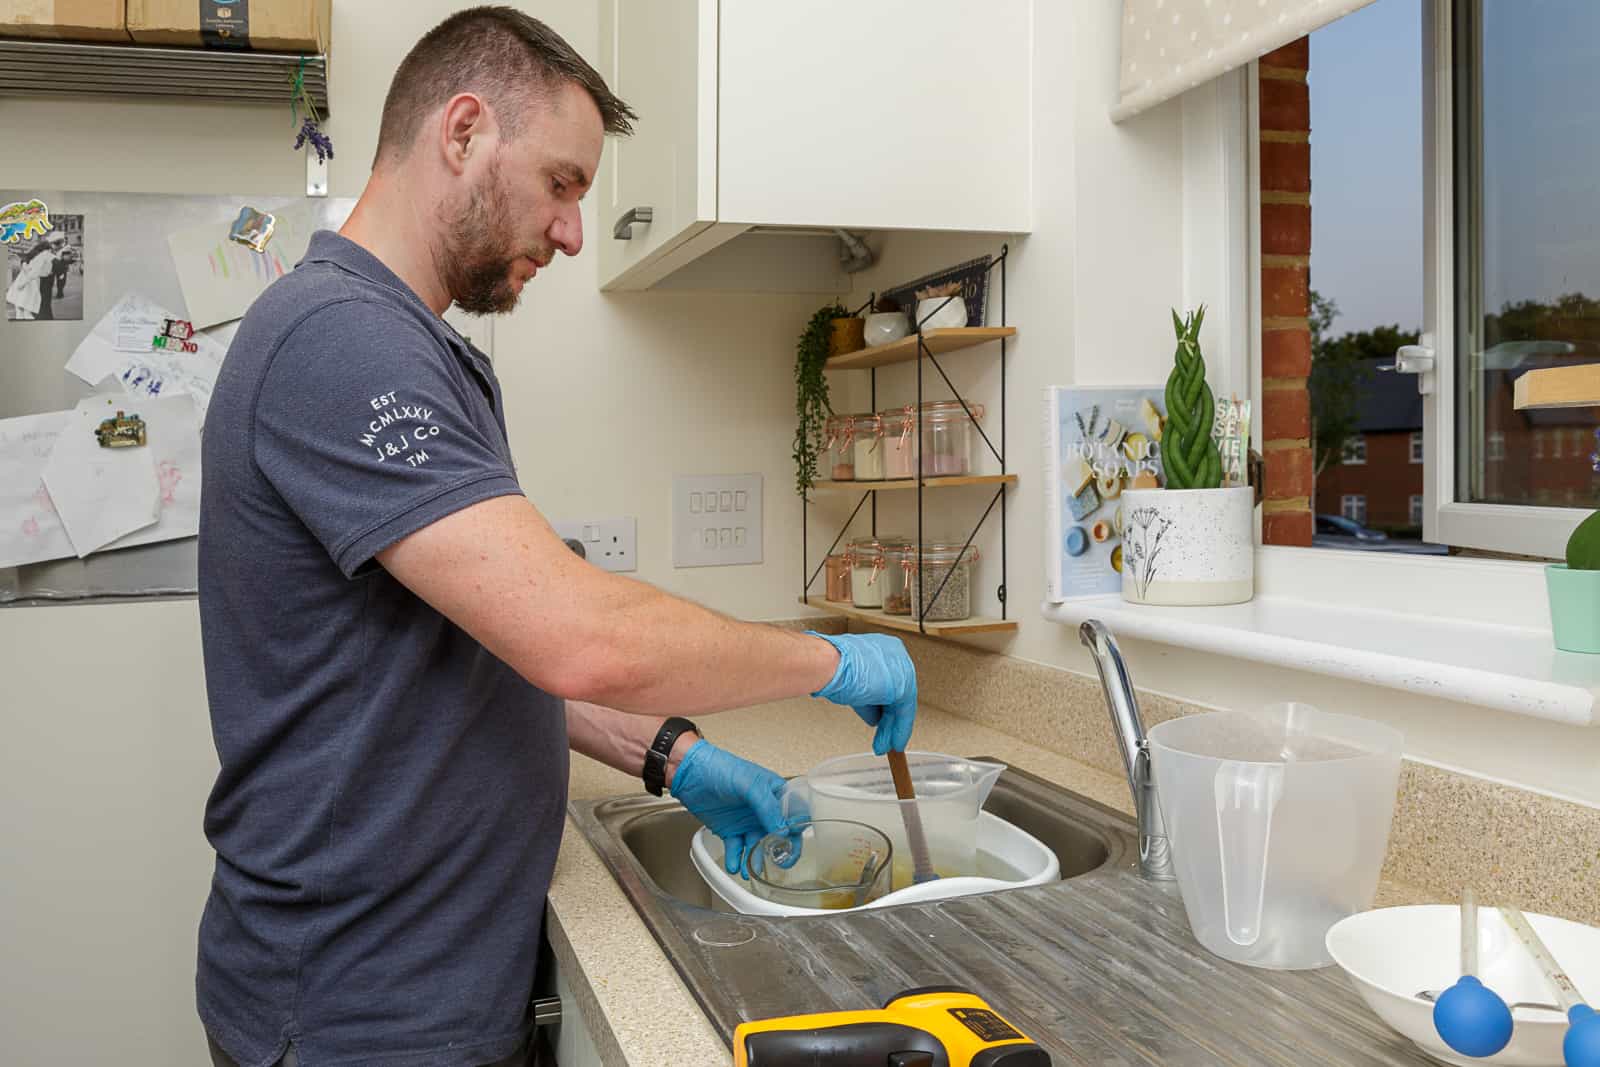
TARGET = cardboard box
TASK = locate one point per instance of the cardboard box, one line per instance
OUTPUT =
(64, 20)
(261, 25)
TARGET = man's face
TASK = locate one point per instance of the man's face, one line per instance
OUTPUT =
(522, 206)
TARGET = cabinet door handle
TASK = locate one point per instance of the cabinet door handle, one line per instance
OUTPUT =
(623, 230)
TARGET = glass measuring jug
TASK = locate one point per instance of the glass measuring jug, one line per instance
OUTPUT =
(951, 791)
(1278, 824)
(821, 863)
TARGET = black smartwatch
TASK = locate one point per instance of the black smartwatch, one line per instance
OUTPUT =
(655, 757)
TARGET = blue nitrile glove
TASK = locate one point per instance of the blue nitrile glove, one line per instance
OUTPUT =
(739, 801)
(876, 678)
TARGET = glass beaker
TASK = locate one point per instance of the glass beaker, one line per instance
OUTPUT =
(1278, 824)
(821, 863)
(950, 794)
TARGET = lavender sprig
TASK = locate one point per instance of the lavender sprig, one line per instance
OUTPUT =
(310, 131)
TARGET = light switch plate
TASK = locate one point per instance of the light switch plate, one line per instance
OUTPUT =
(715, 535)
(610, 544)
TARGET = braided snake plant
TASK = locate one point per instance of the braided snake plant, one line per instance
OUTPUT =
(1189, 454)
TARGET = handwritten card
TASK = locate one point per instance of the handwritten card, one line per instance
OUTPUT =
(30, 529)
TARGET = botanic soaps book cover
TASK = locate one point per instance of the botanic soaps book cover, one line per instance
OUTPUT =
(1098, 442)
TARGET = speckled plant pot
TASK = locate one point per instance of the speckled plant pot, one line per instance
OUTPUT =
(1188, 546)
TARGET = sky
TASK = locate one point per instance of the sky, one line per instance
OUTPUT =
(1541, 157)
(1366, 165)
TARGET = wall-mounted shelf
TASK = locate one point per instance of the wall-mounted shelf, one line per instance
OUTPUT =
(977, 624)
(923, 349)
(1558, 387)
(927, 483)
(32, 67)
(937, 342)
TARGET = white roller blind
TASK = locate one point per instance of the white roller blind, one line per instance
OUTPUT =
(1169, 46)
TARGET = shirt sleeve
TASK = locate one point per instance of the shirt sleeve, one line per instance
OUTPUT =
(363, 425)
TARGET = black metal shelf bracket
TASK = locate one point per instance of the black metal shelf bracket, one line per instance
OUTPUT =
(924, 352)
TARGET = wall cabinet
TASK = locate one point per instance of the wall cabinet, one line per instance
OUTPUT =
(763, 127)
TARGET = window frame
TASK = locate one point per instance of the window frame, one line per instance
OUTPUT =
(1360, 502)
(1416, 508)
(1418, 446)
(1354, 452)
(1522, 529)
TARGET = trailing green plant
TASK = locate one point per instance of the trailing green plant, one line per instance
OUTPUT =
(1189, 455)
(811, 404)
(1583, 547)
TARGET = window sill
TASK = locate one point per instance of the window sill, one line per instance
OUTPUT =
(1436, 647)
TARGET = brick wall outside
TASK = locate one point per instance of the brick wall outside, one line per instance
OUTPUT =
(1388, 480)
(1285, 301)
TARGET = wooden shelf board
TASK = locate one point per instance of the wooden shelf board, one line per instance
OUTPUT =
(950, 339)
(1559, 387)
(977, 624)
(927, 483)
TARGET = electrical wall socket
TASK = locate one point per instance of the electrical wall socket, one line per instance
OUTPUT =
(610, 544)
(716, 520)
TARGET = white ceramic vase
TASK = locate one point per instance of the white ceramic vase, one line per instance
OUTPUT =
(1188, 546)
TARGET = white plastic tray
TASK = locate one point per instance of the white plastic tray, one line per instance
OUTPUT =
(1015, 848)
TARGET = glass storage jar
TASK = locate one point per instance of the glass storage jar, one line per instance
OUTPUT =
(866, 572)
(868, 434)
(947, 438)
(899, 442)
(839, 452)
(837, 581)
(897, 592)
(954, 601)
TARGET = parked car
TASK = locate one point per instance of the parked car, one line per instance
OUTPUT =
(1336, 531)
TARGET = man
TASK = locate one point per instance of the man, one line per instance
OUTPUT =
(398, 648)
(62, 265)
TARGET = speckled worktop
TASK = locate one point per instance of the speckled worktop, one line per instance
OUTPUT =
(639, 1012)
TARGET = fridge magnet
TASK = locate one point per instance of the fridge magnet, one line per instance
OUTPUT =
(44, 274)
(253, 228)
(23, 219)
(121, 431)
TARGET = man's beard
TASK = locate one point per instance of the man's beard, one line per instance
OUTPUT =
(476, 265)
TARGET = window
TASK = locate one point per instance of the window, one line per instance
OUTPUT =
(1353, 506)
(1519, 286)
(1355, 452)
(1416, 509)
(1417, 449)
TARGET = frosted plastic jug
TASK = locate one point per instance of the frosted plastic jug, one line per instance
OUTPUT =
(1278, 824)
(950, 793)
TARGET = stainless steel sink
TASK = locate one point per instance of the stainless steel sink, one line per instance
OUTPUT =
(1099, 968)
(655, 834)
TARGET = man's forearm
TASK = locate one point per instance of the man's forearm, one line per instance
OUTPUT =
(497, 570)
(661, 654)
(620, 740)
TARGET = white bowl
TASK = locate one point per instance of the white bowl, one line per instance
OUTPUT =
(885, 326)
(1014, 848)
(1393, 953)
(952, 313)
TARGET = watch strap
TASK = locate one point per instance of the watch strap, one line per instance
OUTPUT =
(655, 757)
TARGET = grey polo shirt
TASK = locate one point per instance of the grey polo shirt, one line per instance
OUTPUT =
(391, 795)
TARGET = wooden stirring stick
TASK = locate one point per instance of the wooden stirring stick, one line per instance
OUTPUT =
(921, 863)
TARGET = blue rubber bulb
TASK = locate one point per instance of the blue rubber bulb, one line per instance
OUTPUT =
(1472, 1019)
(1582, 1046)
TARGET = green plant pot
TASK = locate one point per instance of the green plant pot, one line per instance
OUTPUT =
(1574, 607)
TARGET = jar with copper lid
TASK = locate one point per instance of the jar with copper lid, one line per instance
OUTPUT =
(836, 570)
(899, 442)
(947, 437)
(866, 572)
(940, 581)
(839, 449)
(867, 431)
(897, 591)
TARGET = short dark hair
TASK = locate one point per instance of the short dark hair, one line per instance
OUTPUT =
(504, 56)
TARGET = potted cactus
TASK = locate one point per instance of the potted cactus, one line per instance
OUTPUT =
(1574, 588)
(1192, 542)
